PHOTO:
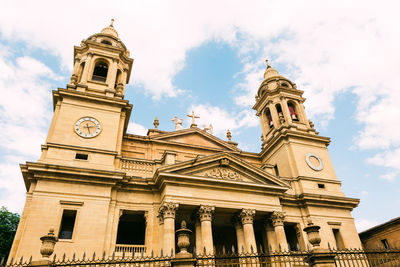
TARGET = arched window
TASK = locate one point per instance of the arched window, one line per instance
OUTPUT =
(100, 71)
(285, 85)
(106, 42)
(292, 111)
(269, 118)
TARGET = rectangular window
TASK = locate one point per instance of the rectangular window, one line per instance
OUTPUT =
(131, 228)
(81, 156)
(385, 243)
(291, 237)
(338, 239)
(67, 224)
(276, 170)
(321, 186)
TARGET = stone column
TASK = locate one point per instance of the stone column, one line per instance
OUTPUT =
(205, 215)
(247, 216)
(160, 231)
(274, 115)
(86, 70)
(271, 237)
(285, 110)
(112, 73)
(168, 210)
(277, 219)
(199, 245)
(121, 85)
(239, 235)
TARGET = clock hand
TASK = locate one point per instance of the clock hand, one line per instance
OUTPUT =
(88, 127)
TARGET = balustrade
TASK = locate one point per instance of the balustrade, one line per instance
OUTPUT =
(137, 167)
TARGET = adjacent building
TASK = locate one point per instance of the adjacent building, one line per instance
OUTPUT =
(382, 236)
(103, 189)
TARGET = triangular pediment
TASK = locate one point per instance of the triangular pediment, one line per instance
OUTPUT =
(224, 167)
(194, 137)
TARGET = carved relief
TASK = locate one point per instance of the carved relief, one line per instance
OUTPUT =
(222, 173)
(205, 212)
(247, 215)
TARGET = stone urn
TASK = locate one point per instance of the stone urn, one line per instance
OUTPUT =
(48, 243)
(313, 234)
(183, 240)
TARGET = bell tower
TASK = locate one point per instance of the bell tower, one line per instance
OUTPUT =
(91, 115)
(290, 143)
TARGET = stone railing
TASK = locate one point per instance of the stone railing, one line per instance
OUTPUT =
(136, 167)
(129, 249)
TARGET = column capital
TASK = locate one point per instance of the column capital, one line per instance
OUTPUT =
(205, 212)
(168, 209)
(247, 215)
(277, 218)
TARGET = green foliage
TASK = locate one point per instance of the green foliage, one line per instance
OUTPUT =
(8, 226)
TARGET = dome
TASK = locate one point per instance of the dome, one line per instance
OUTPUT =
(110, 30)
(270, 72)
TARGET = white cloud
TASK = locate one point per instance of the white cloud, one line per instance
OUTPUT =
(24, 118)
(222, 120)
(364, 224)
(135, 128)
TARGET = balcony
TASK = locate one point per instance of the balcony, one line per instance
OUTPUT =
(129, 250)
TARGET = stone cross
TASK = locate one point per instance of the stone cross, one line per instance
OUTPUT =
(178, 123)
(193, 118)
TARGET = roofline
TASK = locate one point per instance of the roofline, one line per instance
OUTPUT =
(367, 232)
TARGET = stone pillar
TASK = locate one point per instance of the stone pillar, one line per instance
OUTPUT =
(112, 73)
(271, 237)
(168, 210)
(86, 70)
(285, 110)
(160, 231)
(74, 76)
(274, 115)
(247, 216)
(199, 245)
(277, 219)
(205, 215)
(239, 235)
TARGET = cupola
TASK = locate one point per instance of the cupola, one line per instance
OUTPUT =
(102, 64)
(279, 104)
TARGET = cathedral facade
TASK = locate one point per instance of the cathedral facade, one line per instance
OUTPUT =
(103, 189)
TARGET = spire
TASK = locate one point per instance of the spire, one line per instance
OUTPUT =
(110, 29)
(270, 71)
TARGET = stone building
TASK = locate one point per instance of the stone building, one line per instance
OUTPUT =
(384, 236)
(103, 189)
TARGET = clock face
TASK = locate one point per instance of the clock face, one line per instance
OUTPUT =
(87, 127)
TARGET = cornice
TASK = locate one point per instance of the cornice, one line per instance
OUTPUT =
(309, 199)
(36, 171)
(286, 134)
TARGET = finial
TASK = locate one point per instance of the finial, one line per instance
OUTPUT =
(267, 61)
(112, 22)
(193, 118)
(156, 122)
(229, 135)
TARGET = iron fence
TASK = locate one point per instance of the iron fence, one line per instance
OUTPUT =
(342, 258)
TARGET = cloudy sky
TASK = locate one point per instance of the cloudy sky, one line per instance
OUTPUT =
(208, 56)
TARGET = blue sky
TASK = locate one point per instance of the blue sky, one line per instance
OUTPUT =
(209, 58)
